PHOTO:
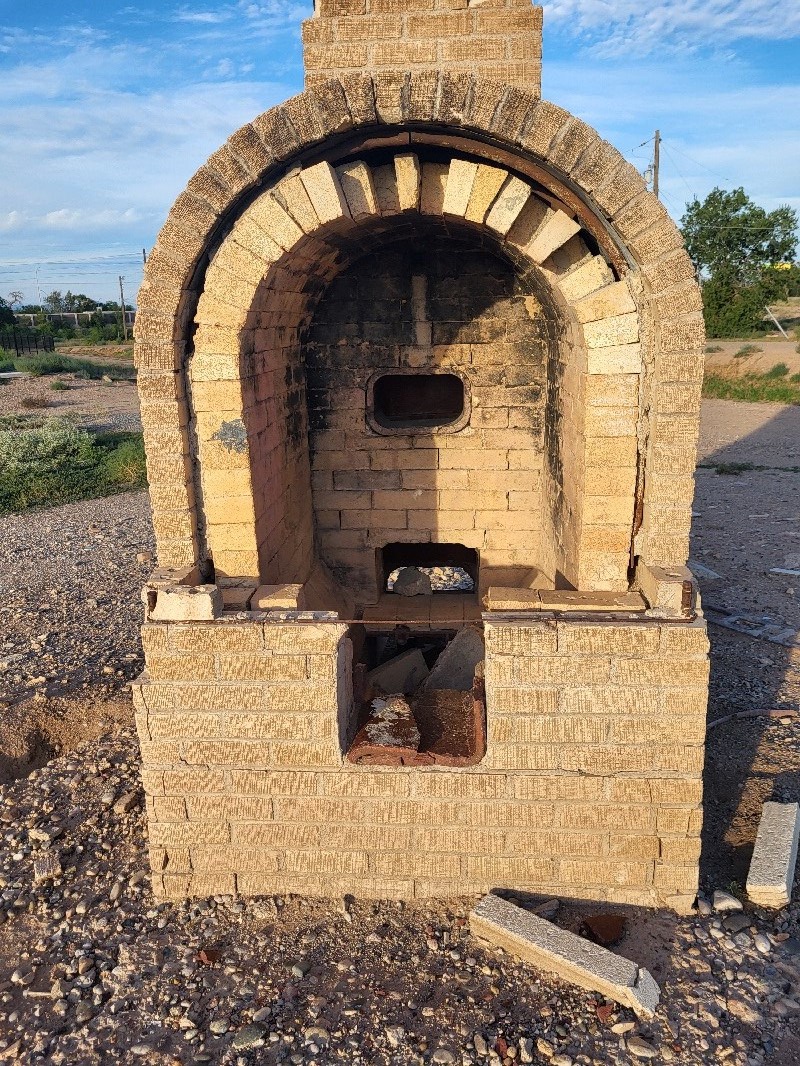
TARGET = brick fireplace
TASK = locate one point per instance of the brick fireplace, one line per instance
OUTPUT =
(421, 318)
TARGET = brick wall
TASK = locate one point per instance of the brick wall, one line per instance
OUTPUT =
(455, 307)
(501, 39)
(591, 785)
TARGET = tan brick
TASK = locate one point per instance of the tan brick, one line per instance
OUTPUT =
(503, 871)
(228, 808)
(676, 878)
(263, 668)
(521, 729)
(275, 782)
(334, 862)
(188, 834)
(575, 871)
(582, 638)
(531, 701)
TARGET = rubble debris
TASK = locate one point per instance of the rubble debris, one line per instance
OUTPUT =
(548, 909)
(771, 876)
(389, 736)
(411, 581)
(604, 929)
(503, 924)
(404, 673)
(455, 668)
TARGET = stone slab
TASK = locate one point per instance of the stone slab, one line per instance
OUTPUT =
(185, 603)
(404, 673)
(455, 668)
(285, 597)
(771, 876)
(568, 956)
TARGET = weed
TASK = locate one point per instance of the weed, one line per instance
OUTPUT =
(6, 366)
(748, 349)
(733, 468)
(780, 370)
(33, 403)
(41, 365)
(711, 348)
(752, 388)
(59, 386)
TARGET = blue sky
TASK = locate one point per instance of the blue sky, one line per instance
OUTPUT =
(108, 109)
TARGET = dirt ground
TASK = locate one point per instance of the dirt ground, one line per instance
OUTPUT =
(389, 962)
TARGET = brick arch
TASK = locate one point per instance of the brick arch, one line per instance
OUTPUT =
(603, 192)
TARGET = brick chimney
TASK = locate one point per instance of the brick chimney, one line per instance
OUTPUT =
(498, 39)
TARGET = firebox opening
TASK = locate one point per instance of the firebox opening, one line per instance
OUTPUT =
(418, 696)
(450, 568)
(417, 401)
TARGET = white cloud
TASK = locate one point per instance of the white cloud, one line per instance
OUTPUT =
(619, 27)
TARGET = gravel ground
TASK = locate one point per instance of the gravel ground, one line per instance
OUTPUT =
(93, 970)
(70, 606)
(104, 406)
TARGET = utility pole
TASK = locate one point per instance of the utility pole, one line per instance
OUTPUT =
(122, 305)
(656, 161)
(144, 256)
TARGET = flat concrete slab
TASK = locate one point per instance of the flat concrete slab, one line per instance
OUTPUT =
(502, 924)
(771, 876)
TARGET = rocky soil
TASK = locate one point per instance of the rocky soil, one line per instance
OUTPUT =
(94, 970)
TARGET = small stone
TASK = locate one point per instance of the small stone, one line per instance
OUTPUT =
(736, 921)
(544, 1048)
(219, 1026)
(83, 1013)
(603, 929)
(548, 909)
(395, 1034)
(562, 1060)
(443, 1055)
(703, 907)
(762, 943)
(640, 1049)
(300, 969)
(141, 1050)
(724, 902)
(623, 1027)
(526, 1049)
(126, 803)
(480, 1045)
(248, 1036)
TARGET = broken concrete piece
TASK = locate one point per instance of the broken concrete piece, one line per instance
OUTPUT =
(404, 673)
(46, 866)
(184, 603)
(558, 951)
(667, 588)
(411, 581)
(455, 667)
(771, 876)
(282, 597)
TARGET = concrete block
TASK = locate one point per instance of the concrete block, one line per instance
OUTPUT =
(568, 600)
(487, 184)
(185, 603)
(455, 667)
(565, 954)
(771, 876)
(407, 171)
(325, 193)
(555, 232)
(667, 588)
(508, 205)
(237, 597)
(278, 597)
(356, 181)
(512, 599)
(404, 673)
(459, 186)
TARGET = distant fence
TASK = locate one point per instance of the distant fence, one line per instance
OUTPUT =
(23, 341)
(75, 318)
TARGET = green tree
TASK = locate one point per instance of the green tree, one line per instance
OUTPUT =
(736, 246)
(6, 314)
(78, 301)
(727, 233)
(54, 302)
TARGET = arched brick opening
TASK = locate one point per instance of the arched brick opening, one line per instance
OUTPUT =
(581, 174)
(248, 382)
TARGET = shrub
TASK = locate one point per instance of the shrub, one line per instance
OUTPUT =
(6, 366)
(780, 370)
(46, 461)
(33, 403)
(752, 388)
(41, 365)
(59, 386)
(711, 348)
(749, 349)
